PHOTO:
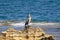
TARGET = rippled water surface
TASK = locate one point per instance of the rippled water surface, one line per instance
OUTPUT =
(40, 10)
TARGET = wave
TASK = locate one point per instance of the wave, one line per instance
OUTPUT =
(40, 24)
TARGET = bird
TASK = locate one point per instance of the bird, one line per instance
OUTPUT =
(28, 20)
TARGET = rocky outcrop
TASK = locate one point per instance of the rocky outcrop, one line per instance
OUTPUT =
(28, 33)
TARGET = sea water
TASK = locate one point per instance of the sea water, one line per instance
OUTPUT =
(40, 10)
(47, 11)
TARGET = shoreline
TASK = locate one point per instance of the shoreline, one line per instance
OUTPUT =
(39, 24)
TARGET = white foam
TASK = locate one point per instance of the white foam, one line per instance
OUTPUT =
(19, 24)
(45, 23)
(22, 24)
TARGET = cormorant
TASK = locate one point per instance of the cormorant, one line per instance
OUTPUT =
(28, 20)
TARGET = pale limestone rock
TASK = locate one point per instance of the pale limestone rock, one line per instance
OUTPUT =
(28, 33)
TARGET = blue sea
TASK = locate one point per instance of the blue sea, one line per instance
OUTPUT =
(44, 13)
(40, 10)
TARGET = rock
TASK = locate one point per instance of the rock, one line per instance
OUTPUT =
(28, 33)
